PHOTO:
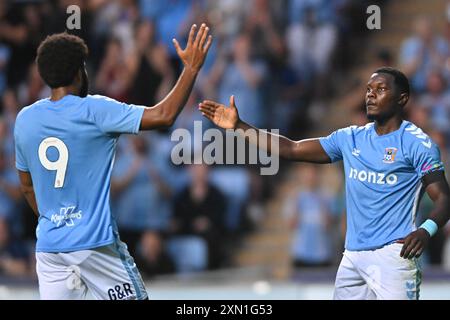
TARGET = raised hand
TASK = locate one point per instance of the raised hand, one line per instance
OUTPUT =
(220, 115)
(196, 49)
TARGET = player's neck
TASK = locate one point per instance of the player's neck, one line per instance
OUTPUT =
(61, 92)
(383, 127)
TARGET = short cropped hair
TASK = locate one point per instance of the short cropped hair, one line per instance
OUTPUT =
(59, 57)
(400, 80)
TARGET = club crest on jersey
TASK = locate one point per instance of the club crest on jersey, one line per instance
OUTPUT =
(389, 155)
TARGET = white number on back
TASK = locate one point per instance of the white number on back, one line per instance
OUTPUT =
(60, 164)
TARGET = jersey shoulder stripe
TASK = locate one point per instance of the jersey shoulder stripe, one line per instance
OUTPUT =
(416, 132)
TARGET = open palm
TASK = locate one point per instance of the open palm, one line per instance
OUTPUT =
(196, 49)
(220, 115)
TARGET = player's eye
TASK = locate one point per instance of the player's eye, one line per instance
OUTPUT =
(381, 89)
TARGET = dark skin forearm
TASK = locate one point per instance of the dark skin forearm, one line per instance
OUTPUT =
(307, 150)
(26, 186)
(438, 190)
(31, 199)
(165, 112)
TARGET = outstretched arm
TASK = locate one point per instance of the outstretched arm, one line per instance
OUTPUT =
(438, 190)
(307, 150)
(26, 185)
(165, 112)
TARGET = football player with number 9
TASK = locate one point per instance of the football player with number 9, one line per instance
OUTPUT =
(65, 148)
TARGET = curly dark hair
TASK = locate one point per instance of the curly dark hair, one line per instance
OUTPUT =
(59, 57)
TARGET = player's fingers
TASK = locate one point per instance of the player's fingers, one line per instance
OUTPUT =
(207, 109)
(413, 251)
(203, 39)
(405, 249)
(409, 244)
(177, 46)
(208, 116)
(419, 252)
(203, 106)
(416, 251)
(232, 104)
(211, 103)
(191, 34)
(210, 107)
(208, 44)
(402, 252)
(199, 34)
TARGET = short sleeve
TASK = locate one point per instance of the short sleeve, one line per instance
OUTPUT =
(426, 158)
(333, 143)
(112, 116)
(21, 162)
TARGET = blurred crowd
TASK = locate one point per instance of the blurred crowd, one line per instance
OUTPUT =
(281, 60)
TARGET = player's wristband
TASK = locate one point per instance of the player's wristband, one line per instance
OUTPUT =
(430, 226)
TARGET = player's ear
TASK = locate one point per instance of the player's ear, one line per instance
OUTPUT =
(404, 97)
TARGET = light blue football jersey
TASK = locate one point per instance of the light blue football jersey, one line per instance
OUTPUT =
(383, 180)
(68, 147)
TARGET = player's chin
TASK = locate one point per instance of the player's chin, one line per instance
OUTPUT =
(372, 115)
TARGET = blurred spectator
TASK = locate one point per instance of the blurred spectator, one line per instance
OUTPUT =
(151, 72)
(170, 23)
(151, 256)
(437, 102)
(199, 210)
(10, 193)
(311, 35)
(289, 95)
(312, 222)
(13, 253)
(34, 89)
(16, 34)
(423, 52)
(7, 136)
(4, 57)
(264, 31)
(10, 108)
(241, 75)
(137, 191)
(114, 77)
(229, 17)
(189, 253)
(234, 182)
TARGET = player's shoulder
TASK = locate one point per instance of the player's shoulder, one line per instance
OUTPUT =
(355, 130)
(97, 102)
(414, 137)
(98, 98)
(30, 109)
